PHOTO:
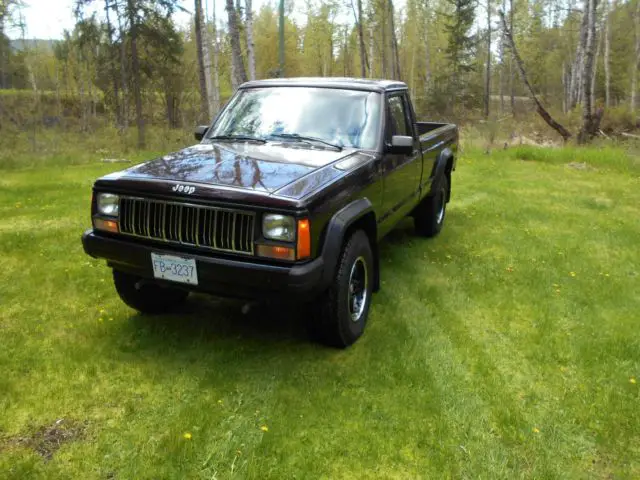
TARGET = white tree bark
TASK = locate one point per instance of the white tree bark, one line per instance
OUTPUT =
(206, 54)
(587, 130)
(238, 73)
(502, 63)
(577, 69)
(487, 78)
(371, 47)
(634, 66)
(599, 35)
(607, 53)
(216, 56)
(427, 46)
(251, 54)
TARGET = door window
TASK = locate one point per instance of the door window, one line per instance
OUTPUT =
(397, 117)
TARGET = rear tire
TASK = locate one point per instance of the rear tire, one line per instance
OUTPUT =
(430, 214)
(147, 297)
(340, 315)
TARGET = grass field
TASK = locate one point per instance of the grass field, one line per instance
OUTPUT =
(508, 347)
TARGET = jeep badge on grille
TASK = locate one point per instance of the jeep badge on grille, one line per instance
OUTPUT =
(183, 189)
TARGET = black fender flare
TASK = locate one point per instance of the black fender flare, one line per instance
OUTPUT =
(336, 232)
(440, 169)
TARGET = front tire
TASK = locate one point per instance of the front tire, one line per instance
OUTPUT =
(430, 213)
(147, 297)
(340, 314)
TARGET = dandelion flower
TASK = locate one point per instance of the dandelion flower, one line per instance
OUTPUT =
(187, 436)
(535, 430)
(573, 274)
(264, 428)
(632, 380)
(219, 402)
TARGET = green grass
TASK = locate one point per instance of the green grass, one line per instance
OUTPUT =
(507, 347)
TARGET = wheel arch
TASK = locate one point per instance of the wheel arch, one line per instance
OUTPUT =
(445, 164)
(358, 215)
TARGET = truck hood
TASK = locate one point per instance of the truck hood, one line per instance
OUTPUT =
(263, 168)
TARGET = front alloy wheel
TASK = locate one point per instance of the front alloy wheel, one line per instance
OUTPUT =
(358, 292)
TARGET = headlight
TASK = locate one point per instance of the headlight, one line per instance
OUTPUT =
(279, 227)
(107, 204)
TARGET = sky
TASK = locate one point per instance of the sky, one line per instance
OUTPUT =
(47, 19)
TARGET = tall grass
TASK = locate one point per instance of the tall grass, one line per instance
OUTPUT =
(59, 147)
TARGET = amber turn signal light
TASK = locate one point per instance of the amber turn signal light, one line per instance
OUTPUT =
(277, 252)
(304, 239)
(106, 225)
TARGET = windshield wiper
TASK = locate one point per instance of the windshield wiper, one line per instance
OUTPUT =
(303, 138)
(239, 138)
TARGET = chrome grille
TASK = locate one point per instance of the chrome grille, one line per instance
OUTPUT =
(209, 227)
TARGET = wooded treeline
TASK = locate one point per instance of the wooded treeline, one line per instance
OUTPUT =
(129, 62)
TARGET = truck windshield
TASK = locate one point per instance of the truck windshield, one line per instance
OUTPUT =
(346, 118)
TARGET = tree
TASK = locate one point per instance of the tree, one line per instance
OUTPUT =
(540, 108)
(363, 54)
(636, 57)
(250, 43)
(133, 17)
(589, 123)
(487, 81)
(238, 73)
(394, 44)
(461, 45)
(215, 94)
(112, 53)
(202, 78)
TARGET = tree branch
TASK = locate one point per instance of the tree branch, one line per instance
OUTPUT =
(540, 108)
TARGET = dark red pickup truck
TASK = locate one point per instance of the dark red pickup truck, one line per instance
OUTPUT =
(285, 197)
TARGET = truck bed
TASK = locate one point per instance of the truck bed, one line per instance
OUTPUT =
(426, 127)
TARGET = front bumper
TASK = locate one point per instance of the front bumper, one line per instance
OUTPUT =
(220, 276)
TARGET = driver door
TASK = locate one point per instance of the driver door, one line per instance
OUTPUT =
(401, 172)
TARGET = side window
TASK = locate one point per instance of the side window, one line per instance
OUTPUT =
(397, 117)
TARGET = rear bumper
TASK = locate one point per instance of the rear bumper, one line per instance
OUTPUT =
(221, 276)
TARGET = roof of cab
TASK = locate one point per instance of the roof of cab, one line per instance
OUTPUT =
(329, 82)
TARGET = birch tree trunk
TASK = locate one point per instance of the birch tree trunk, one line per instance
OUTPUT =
(636, 58)
(112, 62)
(511, 73)
(135, 69)
(202, 79)
(216, 56)
(427, 47)
(588, 130)
(599, 35)
(564, 87)
(123, 72)
(502, 65)
(383, 46)
(607, 53)
(523, 74)
(394, 44)
(238, 73)
(487, 77)
(576, 90)
(251, 54)
(371, 52)
(363, 55)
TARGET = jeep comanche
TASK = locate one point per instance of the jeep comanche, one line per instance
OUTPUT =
(286, 196)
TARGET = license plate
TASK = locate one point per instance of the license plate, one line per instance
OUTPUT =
(176, 269)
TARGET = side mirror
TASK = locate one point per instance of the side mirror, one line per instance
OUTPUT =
(201, 131)
(401, 145)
